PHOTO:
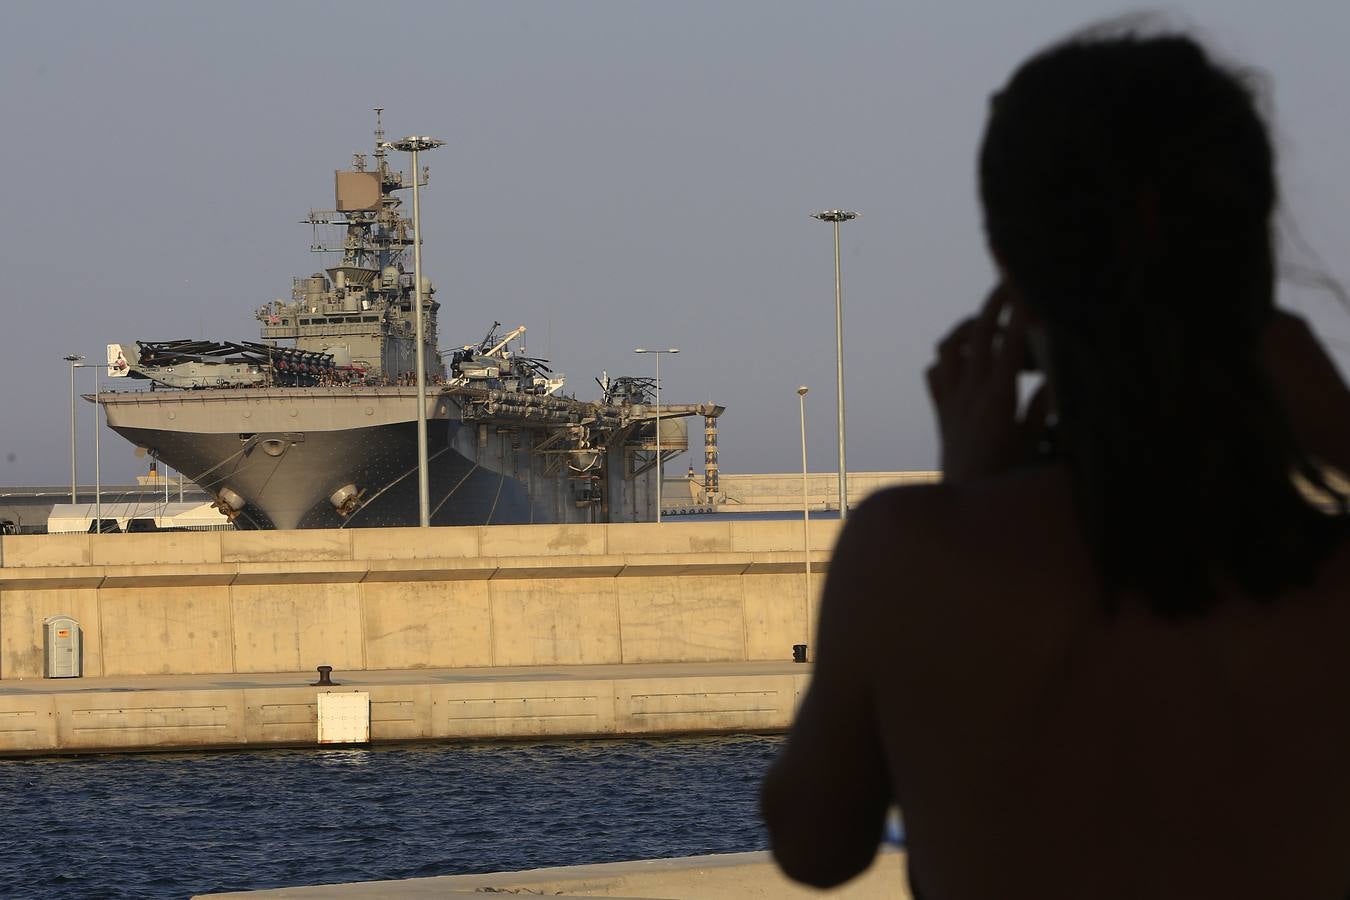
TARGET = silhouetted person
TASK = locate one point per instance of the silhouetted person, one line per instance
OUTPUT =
(1121, 667)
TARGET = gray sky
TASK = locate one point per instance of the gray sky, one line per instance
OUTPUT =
(616, 175)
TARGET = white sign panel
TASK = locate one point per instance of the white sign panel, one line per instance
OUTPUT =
(344, 718)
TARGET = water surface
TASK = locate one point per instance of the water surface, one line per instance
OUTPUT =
(186, 823)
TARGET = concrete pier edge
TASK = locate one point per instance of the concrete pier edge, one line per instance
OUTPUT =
(199, 712)
(728, 876)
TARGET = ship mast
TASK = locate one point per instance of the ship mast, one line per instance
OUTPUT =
(366, 306)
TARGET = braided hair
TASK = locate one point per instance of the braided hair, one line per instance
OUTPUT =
(1128, 187)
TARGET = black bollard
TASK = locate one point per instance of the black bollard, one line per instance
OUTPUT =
(325, 679)
(799, 653)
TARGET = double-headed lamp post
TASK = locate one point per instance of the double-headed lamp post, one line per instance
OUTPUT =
(413, 144)
(72, 358)
(806, 514)
(658, 422)
(837, 216)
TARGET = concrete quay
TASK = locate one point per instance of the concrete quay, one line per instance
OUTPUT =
(186, 712)
(479, 632)
(729, 876)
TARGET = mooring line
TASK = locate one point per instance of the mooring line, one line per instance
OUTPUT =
(381, 491)
(495, 497)
(472, 469)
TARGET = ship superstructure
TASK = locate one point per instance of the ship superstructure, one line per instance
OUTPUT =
(361, 310)
(315, 426)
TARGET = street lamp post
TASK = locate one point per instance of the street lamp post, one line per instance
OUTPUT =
(98, 471)
(837, 216)
(659, 467)
(806, 514)
(413, 144)
(72, 358)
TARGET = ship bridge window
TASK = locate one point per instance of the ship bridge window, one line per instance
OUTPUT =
(370, 318)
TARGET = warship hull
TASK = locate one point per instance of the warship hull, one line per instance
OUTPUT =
(287, 452)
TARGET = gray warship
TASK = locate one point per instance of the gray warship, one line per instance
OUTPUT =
(314, 425)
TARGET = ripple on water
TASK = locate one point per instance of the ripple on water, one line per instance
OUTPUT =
(186, 823)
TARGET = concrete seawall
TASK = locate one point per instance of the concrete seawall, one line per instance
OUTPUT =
(403, 598)
(211, 638)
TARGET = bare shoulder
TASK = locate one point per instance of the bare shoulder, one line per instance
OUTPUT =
(898, 502)
(879, 546)
(925, 526)
(897, 512)
(937, 562)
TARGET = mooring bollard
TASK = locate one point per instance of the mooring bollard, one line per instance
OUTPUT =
(325, 679)
(799, 653)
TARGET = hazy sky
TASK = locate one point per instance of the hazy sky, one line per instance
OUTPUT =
(616, 175)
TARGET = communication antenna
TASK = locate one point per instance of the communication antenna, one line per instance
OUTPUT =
(379, 137)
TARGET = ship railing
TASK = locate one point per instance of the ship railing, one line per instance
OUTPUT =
(356, 326)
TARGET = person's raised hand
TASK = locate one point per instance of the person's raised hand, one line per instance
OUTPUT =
(973, 383)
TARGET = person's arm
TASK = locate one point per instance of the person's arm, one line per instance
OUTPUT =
(825, 798)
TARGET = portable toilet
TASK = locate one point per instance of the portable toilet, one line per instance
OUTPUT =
(62, 648)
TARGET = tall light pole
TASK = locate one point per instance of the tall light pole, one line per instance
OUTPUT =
(72, 358)
(806, 514)
(837, 216)
(98, 471)
(413, 144)
(659, 467)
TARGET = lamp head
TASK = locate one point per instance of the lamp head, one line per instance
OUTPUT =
(835, 215)
(72, 357)
(413, 143)
(801, 391)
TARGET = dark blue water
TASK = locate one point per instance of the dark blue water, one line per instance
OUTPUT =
(185, 823)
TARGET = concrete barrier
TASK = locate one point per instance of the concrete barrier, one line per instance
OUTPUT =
(215, 547)
(783, 491)
(241, 602)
